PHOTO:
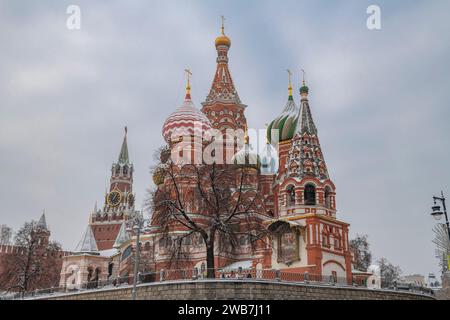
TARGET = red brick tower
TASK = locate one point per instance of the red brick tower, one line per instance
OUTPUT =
(119, 201)
(306, 197)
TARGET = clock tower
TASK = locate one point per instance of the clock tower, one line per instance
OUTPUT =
(119, 202)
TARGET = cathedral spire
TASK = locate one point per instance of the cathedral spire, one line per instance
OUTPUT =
(305, 156)
(222, 89)
(307, 124)
(123, 156)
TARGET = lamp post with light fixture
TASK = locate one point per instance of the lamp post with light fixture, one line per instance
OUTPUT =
(437, 214)
(137, 224)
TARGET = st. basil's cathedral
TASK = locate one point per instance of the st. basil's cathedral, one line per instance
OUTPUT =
(298, 206)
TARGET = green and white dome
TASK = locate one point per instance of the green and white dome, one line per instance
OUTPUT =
(285, 123)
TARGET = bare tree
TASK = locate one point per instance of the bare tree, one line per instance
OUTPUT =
(442, 243)
(33, 264)
(390, 273)
(361, 249)
(217, 204)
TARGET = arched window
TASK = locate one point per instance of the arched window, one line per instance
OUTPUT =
(147, 246)
(290, 193)
(310, 194)
(125, 170)
(328, 197)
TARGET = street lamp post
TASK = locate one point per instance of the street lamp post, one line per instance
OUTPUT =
(137, 224)
(437, 214)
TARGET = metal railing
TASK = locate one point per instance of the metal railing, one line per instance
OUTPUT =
(219, 274)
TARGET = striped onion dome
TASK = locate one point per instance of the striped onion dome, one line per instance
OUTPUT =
(286, 122)
(187, 120)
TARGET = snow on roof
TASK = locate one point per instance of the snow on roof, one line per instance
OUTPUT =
(109, 252)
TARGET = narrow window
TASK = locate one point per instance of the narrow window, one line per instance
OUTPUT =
(328, 197)
(310, 194)
(290, 195)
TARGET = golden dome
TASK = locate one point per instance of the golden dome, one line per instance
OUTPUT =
(223, 40)
(158, 176)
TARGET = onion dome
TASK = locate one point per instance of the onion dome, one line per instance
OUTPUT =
(304, 90)
(187, 120)
(158, 176)
(223, 40)
(247, 157)
(269, 160)
(286, 122)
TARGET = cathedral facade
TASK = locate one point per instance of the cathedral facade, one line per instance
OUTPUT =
(296, 206)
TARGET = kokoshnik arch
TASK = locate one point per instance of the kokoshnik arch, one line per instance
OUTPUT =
(298, 207)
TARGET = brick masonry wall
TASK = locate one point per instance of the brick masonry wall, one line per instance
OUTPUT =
(239, 290)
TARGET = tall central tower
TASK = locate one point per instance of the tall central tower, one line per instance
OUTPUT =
(222, 106)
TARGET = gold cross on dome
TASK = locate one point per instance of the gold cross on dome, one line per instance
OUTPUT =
(223, 24)
(303, 71)
(290, 82)
(188, 76)
(290, 76)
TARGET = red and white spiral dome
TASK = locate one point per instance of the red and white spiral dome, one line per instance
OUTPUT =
(187, 120)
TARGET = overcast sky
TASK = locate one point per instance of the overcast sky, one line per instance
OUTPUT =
(380, 100)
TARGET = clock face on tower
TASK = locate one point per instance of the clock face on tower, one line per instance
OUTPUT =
(114, 198)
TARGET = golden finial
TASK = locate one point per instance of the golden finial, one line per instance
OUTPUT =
(188, 86)
(290, 82)
(126, 130)
(223, 40)
(223, 24)
(303, 71)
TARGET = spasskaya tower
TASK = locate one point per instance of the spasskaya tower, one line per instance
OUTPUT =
(119, 201)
